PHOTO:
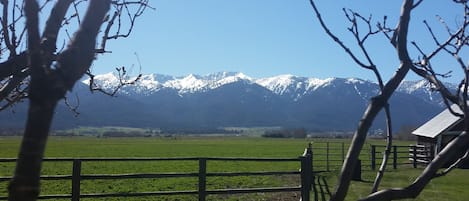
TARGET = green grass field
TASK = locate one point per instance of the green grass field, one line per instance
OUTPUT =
(452, 187)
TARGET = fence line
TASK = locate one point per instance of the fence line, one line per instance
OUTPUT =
(329, 156)
(412, 155)
(306, 177)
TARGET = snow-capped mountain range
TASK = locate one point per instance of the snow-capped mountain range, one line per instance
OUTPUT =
(229, 99)
(283, 85)
(152, 83)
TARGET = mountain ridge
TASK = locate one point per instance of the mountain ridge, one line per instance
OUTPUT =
(226, 99)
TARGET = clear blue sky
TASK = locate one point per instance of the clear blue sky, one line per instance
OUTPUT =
(261, 38)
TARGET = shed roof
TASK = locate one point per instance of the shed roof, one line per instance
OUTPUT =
(439, 124)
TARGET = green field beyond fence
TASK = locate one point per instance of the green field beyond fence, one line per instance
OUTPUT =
(327, 156)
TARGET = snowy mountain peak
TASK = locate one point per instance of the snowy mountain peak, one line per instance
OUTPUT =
(315, 83)
(190, 83)
(412, 86)
(108, 80)
(355, 81)
(285, 84)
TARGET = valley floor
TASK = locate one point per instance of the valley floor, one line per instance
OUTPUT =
(451, 187)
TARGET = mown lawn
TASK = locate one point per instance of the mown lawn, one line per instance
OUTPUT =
(451, 187)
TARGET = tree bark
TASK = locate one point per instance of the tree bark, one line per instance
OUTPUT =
(25, 183)
(49, 85)
(376, 104)
(387, 151)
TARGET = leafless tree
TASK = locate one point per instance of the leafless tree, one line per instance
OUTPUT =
(454, 43)
(43, 66)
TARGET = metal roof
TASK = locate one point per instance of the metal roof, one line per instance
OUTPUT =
(439, 124)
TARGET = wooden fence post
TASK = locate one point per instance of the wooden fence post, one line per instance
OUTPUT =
(343, 151)
(394, 161)
(432, 153)
(327, 156)
(202, 178)
(76, 177)
(414, 155)
(306, 173)
(373, 157)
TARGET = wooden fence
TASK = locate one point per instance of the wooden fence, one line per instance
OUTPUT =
(403, 155)
(306, 176)
(327, 156)
(330, 155)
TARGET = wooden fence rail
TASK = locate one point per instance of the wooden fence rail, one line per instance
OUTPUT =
(403, 155)
(329, 156)
(306, 176)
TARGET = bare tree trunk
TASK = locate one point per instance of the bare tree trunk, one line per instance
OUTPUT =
(453, 46)
(48, 85)
(359, 137)
(377, 103)
(25, 184)
(387, 151)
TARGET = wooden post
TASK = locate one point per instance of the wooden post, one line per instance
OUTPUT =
(306, 173)
(327, 156)
(76, 177)
(432, 153)
(343, 151)
(202, 178)
(414, 155)
(394, 161)
(373, 157)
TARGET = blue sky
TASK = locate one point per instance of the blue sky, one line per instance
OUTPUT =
(261, 38)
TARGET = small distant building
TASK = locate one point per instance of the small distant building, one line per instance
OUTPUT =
(439, 131)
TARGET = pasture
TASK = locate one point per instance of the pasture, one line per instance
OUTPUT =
(451, 187)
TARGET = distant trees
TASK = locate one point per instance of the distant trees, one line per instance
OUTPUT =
(454, 42)
(37, 64)
(405, 133)
(286, 133)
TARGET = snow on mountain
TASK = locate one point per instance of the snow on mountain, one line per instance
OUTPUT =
(314, 83)
(355, 81)
(294, 86)
(412, 86)
(220, 79)
(188, 84)
(195, 83)
(108, 80)
(240, 101)
(283, 83)
(148, 84)
(287, 85)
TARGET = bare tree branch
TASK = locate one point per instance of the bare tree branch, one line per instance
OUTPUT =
(5, 30)
(53, 25)
(76, 59)
(399, 39)
(413, 190)
(335, 38)
(73, 108)
(13, 65)
(454, 165)
(123, 81)
(43, 74)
